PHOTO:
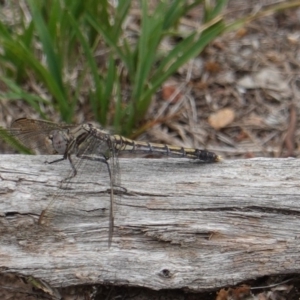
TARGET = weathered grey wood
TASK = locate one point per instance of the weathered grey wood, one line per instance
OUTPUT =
(180, 224)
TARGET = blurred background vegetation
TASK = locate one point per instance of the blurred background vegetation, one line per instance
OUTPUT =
(66, 56)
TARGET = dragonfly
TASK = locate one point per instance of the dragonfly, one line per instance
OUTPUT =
(89, 142)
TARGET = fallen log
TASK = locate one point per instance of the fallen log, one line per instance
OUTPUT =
(179, 224)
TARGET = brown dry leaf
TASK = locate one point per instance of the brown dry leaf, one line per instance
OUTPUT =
(222, 295)
(212, 67)
(293, 38)
(275, 57)
(241, 32)
(238, 293)
(242, 136)
(241, 292)
(200, 85)
(222, 118)
(171, 93)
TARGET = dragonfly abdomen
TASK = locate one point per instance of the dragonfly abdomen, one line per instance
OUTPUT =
(130, 146)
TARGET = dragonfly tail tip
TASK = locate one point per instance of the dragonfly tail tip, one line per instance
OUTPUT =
(219, 158)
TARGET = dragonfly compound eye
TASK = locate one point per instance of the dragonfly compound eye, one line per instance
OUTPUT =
(59, 141)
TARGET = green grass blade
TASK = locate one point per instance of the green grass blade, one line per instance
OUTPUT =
(48, 47)
(97, 99)
(173, 14)
(212, 12)
(151, 32)
(109, 38)
(109, 86)
(9, 139)
(177, 58)
(16, 93)
(53, 62)
(121, 14)
(19, 50)
(26, 38)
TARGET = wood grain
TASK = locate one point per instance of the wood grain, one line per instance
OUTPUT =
(178, 223)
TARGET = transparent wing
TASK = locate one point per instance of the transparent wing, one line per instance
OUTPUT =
(69, 203)
(105, 152)
(80, 205)
(35, 134)
(115, 183)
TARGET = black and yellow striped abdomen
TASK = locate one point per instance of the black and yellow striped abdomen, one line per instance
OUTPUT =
(126, 145)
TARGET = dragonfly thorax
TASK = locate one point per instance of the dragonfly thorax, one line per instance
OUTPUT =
(96, 132)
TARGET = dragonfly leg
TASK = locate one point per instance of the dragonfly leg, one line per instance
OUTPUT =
(100, 159)
(54, 161)
(71, 163)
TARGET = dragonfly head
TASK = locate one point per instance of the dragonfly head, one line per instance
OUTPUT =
(60, 140)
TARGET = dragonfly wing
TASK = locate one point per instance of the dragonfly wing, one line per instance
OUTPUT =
(101, 150)
(91, 151)
(104, 151)
(36, 134)
(108, 151)
(115, 182)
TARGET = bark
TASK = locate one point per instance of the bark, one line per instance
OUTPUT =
(178, 223)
